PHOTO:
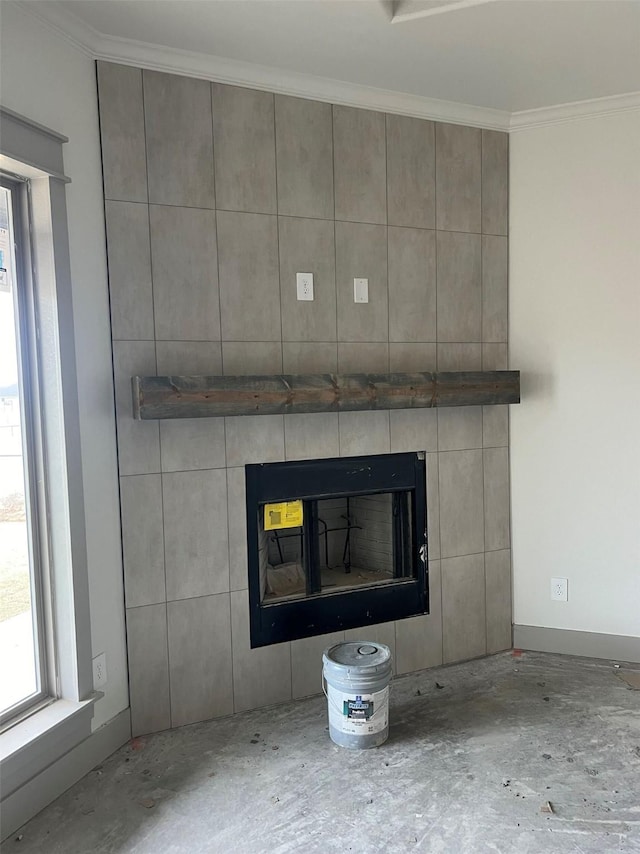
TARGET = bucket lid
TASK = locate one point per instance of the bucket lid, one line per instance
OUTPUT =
(360, 654)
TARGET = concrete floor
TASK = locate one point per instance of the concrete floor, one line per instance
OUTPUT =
(474, 752)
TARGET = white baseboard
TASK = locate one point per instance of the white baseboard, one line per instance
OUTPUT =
(41, 790)
(568, 642)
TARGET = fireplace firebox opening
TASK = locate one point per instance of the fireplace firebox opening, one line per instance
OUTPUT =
(335, 544)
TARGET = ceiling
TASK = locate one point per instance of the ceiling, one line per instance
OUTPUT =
(509, 55)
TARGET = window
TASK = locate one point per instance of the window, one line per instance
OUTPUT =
(47, 690)
(335, 544)
(22, 528)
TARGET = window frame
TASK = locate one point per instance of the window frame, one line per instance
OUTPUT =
(34, 467)
(32, 154)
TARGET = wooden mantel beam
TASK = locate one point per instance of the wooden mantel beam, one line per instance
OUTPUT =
(207, 396)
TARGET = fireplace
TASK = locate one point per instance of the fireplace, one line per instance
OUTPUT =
(335, 544)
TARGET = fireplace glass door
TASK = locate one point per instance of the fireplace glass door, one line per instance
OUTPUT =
(335, 544)
(342, 544)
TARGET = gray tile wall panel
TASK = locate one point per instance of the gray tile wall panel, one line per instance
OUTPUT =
(304, 148)
(142, 539)
(461, 503)
(261, 677)
(249, 277)
(130, 285)
(458, 178)
(179, 140)
(411, 188)
(307, 246)
(188, 357)
(244, 150)
(495, 182)
(496, 498)
(419, 639)
(463, 608)
(494, 288)
(122, 132)
(138, 441)
(311, 436)
(148, 669)
(497, 569)
(196, 535)
(359, 170)
(412, 285)
(217, 294)
(200, 670)
(185, 273)
(361, 252)
(459, 287)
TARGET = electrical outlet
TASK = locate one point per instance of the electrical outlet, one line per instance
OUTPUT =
(304, 286)
(559, 590)
(100, 671)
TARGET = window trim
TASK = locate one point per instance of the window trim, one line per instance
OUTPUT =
(30, 152)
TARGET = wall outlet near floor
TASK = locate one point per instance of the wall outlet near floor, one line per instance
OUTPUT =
(560, 589)
(100, 671)
(304, 286)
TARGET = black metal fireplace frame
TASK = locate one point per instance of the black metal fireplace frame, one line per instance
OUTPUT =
(315, 480)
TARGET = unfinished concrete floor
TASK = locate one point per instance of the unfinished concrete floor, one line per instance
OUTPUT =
(474, 752)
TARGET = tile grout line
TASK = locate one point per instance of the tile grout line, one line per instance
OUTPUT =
(217, 246)
(164, 547)
(297, 216)
(386, 201)
(436, 223)
(292, 341)
(284, 446)
(388, 342)
(508, 349)
(335, 246)
(484, 521)
(224, 420)
(113, 378)
(275, 172)
(335, 256)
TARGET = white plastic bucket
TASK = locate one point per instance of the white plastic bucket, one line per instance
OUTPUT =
(356, 678)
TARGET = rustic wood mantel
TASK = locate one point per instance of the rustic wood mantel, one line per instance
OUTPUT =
(215, 396)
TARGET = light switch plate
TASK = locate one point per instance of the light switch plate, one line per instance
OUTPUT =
(361, 290)
(304, 286)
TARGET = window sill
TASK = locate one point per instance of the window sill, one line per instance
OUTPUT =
(33, 744)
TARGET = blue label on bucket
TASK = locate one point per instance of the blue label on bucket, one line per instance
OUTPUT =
(357, 709)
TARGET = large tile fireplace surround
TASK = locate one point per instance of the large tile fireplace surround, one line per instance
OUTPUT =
(215, 197)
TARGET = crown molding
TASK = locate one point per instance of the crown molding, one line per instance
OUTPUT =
(238, 73)
(574, 111)
(235, 72)
(61, 22)
(284, 82)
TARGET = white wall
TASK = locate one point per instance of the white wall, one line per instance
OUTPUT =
(575, 335)
(45, 78)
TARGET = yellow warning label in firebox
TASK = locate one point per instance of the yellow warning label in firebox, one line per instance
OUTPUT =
(287, 514)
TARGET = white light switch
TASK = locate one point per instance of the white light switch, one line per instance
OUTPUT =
(361, 290)
(304, 285)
